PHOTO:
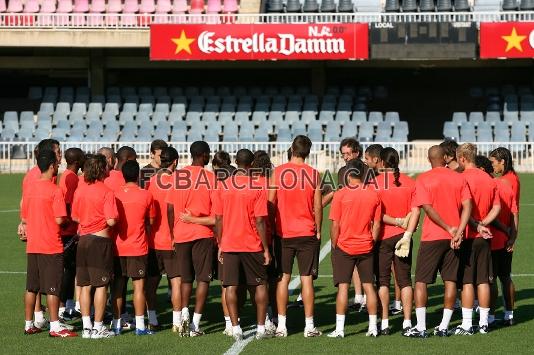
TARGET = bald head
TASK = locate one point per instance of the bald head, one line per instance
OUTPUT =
(436, 156)
(110, 156)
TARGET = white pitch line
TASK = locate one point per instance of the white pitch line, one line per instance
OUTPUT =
(13, 272)
(9, 211)
(513, 275)
(238, 346)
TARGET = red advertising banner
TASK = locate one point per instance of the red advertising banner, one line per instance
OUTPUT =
(507, 40)
(259, 42)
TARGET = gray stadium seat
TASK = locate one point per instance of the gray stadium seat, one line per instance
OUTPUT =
(328, 6)
(359, 116)
(375, 117)
(392, 117)
(345, 6)
(493, 116)
(459, 117)
(409, 5)
(315, 135)
(384, 129)
(426, 5)
(476, 117)
(450, 130)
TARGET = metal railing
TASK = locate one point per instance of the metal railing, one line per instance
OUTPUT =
(17, 157)
(143, 21)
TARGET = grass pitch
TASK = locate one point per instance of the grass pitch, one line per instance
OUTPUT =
(516, 339)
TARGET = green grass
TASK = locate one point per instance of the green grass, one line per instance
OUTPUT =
(513, 340)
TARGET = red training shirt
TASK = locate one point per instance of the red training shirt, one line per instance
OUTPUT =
(135, 205)
(68, 182)
(508, 208)
(295, 184)
(115, 180)
(160, 235)
(239, 201)
(355, 208)
(445, 190)
(42, 203)
(93, 205)
(513, 179)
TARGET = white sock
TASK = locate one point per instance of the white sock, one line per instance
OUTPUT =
(61, 310)
(508, 315)
(384, 324)
(152, 317)
(483, 314)
(299, 298)
(176, 317)
(86, 321)
(98, 325)
(38, 316)
(77, 307)
(28, 324)
(364, 300)
(467, 318)
(185, 313)
(140, 322)
(236, 329)
(447, 314)
(340, 322)
(407, 323)
(115, 323)
(372, 322)
(420, 314)
(260, 329)
(358, 298)
(54, 326)
(227, 322)
(397, 304)
(309, 323)
(69, 304)
(281, 322)
(196, 320)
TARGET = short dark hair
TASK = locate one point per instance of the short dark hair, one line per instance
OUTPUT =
(221, 159)
(126, 153)
(199, 148)
(374, 150)
(157, 144)
(301, 147)
(46, 144)
(356, 169)
(46, 158)
(130, 171)
(449, 147)
(244, 157)
(95, 168)
(262, 162)
(352, 144)
(484, 163)
(502, 153)
(168, 155)
(74, 155)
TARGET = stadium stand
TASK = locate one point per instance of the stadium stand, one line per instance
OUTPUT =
(509, 117)
(237, 114)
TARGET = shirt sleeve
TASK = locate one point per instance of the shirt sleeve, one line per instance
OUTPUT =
(260, 205)
(75, 212)
(24, 208)
(151, 206)
(421, 194)
(466, 193)
(58, 204)
(335, 208)
(110, 206)
(514, 208)
(216, 203)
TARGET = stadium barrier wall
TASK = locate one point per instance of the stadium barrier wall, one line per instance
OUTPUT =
(137, 21)
(17, 157)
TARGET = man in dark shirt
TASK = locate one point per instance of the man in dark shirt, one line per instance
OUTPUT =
(155, 162)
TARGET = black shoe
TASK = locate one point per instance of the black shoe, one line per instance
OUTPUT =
(363, 308)
(355, 306)
(508, 322)
(71, 314)
(484, 329)
(385, 331)
(405, 331)
(414, 333)
(441, 332)
(296, 304)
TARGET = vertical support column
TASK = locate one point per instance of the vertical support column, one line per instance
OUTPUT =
(96, 75)
(318, 78)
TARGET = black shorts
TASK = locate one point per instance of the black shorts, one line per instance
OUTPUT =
(385, 253)
(475, 262)
(94, 261)
(434, 256)
(195, 260)
(131, 266)
(343, 265)
(44, 273)
(163, 262)
(306, 250)
(244, 269)
(70, 244)
(273, 269)
(501, 260)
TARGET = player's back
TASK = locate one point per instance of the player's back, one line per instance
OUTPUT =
(158, 186)
(396, 200)
(93, 204)
(483, 191)
(296, 185)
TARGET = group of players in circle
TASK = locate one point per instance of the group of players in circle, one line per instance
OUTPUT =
(246, 225)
